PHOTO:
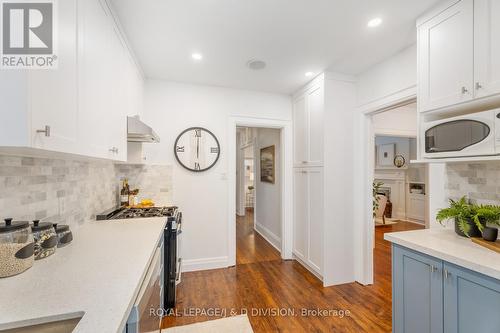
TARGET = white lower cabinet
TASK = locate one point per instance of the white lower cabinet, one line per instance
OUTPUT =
(308, 217)
(416, 206)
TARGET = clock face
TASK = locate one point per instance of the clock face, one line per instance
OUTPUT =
(197, 149)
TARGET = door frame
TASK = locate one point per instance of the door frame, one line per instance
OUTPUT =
(286, 174)
(366, 226)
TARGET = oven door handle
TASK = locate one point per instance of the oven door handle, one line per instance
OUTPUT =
(178, 272)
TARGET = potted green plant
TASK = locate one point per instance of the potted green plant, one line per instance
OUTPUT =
(470, 219)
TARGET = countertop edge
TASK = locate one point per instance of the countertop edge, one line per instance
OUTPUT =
(139, 284)
(453, 259)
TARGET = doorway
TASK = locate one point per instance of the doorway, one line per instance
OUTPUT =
(278, 211)
(398, 183)
(258, 194)
(392, 127)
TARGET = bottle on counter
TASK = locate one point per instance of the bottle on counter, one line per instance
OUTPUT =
(133, 198)
(124, 193)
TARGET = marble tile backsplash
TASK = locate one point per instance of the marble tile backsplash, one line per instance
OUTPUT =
(71, 191)
(153, 181)
(479, 181)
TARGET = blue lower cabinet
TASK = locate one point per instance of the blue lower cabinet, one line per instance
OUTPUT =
(471, 301)
(431, 295)
(417, 292)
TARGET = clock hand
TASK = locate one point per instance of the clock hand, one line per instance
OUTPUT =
(198, 148)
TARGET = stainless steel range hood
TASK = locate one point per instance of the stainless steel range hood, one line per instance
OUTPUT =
(139, 131)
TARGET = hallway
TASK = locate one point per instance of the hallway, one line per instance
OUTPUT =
(251, 247)
(262, 281)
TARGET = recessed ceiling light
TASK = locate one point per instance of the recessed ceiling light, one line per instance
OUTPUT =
(309, 74)
(375, 22)
(197, 56)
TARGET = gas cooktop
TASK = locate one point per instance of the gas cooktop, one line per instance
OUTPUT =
(131, 213)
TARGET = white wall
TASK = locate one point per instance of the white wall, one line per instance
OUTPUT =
(395, 74)
(203, 197)
(340, 96)
(402, 147)
(401, 121)
(268, 196)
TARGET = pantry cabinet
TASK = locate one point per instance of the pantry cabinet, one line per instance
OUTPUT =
(459, 55)
(82, 106)
(308, 217)
(431, 295)
(308, 108)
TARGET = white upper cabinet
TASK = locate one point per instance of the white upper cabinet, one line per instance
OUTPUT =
(315, 101)
(40, 106)
(446, 51)
(487, 47)
(53, 93)
(459, 56)
(81, 107)
(308, 108)
(300, 125)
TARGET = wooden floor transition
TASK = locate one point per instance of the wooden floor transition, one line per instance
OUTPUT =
(267, 287)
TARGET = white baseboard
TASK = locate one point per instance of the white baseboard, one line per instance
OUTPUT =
(269, 236)
(202, 264)
(308, 267)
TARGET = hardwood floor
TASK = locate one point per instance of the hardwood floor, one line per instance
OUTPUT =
(262, 282)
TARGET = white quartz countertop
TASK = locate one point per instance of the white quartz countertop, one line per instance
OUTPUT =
(446, 245)
(98, 275)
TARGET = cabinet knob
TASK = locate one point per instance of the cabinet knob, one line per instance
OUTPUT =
(478, 86)
(46, 130)
(465, 90)
(446, 274)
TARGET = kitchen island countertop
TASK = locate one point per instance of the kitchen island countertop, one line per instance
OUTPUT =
(446, 245)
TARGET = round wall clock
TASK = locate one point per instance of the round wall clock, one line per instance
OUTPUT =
(197, 149)
(399, 161)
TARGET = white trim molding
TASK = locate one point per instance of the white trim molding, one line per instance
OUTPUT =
(268, 235)
(192, 265)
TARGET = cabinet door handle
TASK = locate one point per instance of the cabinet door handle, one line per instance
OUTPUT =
(464, 90)
(114, 150)
(446, 274)
(478, 86)
(433, 268)
(46, 130)
(304, 162)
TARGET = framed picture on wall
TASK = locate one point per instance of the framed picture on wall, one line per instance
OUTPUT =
(267, 164)
(385, 154)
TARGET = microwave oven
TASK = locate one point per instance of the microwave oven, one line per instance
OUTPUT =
(476, 134)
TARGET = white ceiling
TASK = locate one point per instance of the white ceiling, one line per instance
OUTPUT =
(291, 36)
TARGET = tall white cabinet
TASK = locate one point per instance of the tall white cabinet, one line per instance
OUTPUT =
(459, 56)
(324, 114)
(308, 109)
